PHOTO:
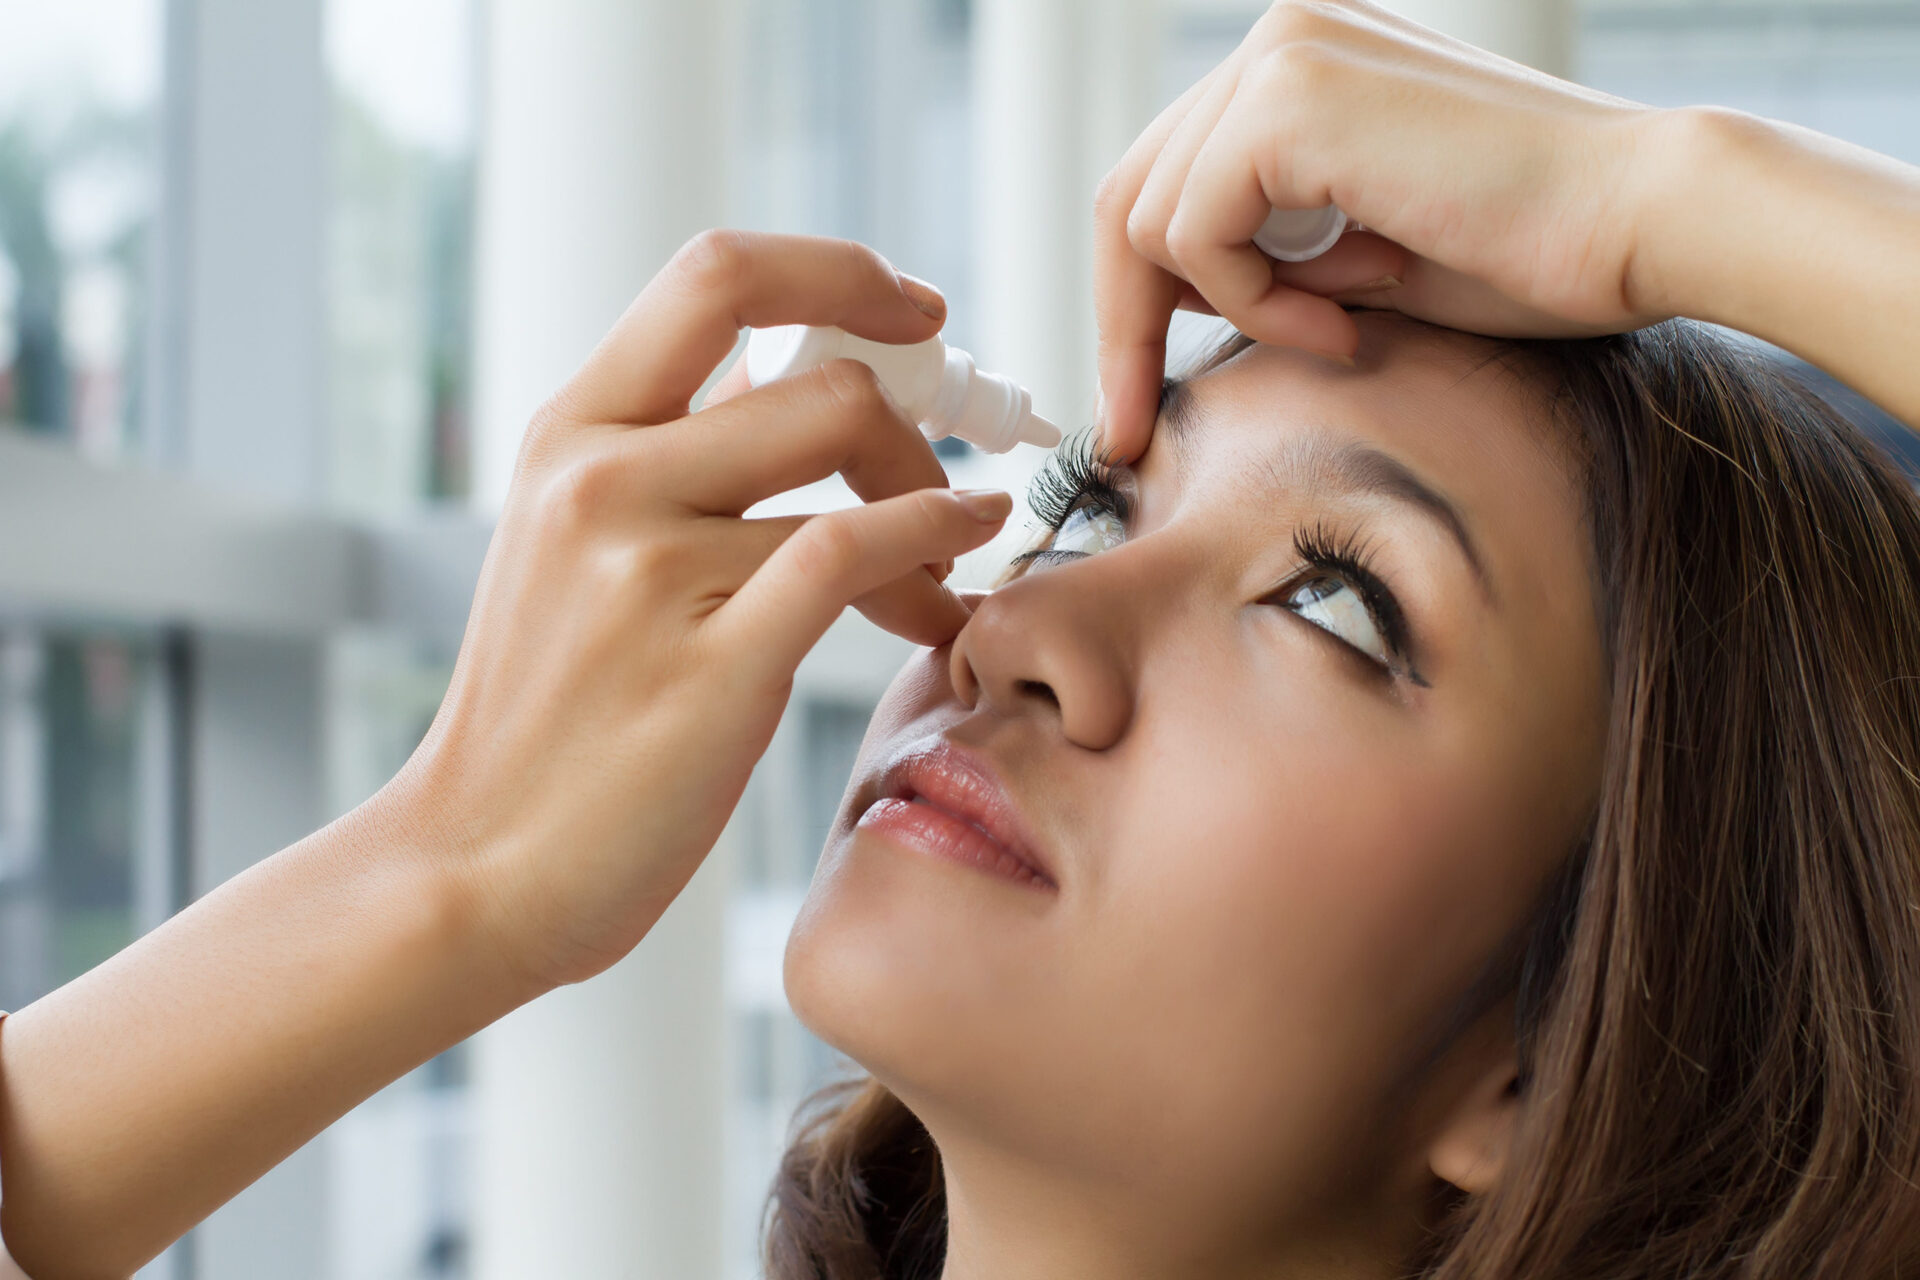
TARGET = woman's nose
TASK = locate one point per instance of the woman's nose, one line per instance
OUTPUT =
(1052, 643)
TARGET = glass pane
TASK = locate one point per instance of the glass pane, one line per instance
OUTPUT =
(79, 92)
(71, 786)
(1849, 70)
(400, 235)
(854, 122)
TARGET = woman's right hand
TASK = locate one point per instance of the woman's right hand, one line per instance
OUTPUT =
(633, 639)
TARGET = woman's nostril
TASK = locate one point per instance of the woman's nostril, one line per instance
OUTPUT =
(1038, 689)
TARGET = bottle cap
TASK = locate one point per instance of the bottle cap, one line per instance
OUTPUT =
(1295, 235)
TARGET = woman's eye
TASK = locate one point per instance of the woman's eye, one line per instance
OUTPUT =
(1333, 605)
(1087, 530)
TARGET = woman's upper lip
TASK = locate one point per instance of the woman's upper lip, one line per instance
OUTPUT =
(963, 783)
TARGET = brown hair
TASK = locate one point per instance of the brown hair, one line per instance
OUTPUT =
(1719, 1010)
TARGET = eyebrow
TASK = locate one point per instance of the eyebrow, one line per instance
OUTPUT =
(1352, 466)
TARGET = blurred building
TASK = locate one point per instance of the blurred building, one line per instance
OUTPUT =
(280, 284)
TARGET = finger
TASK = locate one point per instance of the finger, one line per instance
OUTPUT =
(1444, 296)
(840, 556)
(732, 383)
(1210, 238)
(1134, 302)
(1159, 195)
(1133, 299)
(1359, 261)
(914, 606)
(1360, 267)
(731, 550)
(1190, 300)
(835, 418)
(688, 317)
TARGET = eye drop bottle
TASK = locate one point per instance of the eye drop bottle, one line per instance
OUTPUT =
(1294, 235)
(936, 384)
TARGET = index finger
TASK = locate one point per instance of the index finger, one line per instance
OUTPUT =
(648, 367)
(1134, 299)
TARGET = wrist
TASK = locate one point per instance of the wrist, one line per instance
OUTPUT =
(1704, 174)
(441, 867)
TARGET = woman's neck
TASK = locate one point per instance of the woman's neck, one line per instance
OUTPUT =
(1009, 1219)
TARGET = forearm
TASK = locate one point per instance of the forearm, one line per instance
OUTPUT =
(1810, 243)
(144, 1094)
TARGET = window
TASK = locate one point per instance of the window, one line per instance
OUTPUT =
(77, 781)
(399, 245)
(79, 87)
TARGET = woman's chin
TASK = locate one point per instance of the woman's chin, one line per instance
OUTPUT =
(912, 965)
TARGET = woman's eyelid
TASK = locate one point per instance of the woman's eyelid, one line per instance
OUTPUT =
(1351, 558)
(1110, 492)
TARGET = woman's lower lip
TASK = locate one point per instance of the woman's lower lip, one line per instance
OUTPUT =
(942, 835)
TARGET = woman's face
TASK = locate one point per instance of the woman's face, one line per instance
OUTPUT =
(1296, 736)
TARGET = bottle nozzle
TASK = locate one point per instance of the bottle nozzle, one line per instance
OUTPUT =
(1035, 429)
(938, 384)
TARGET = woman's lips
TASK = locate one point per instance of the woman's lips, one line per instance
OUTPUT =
(946, 802)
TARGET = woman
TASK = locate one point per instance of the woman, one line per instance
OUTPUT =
(1377, 899)
(1455, 811)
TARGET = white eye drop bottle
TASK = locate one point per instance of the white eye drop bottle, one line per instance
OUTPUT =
(1295, 235)
(936, 384)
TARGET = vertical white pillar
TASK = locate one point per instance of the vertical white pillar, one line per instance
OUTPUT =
(599, 1113)
(598, 1109)
(1537, 32)
(603, 148)
(246, 211)
(239, 401)
(1060, 87)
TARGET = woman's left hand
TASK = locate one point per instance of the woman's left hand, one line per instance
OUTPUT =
(1496, 198)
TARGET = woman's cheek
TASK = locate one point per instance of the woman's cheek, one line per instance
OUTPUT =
(1309, 912)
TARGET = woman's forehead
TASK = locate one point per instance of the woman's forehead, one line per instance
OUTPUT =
(1440, 407)
(1443, 404)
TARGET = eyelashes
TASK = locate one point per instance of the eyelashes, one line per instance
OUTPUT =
(1075, 480)
(1073, 476)
(1346, 558)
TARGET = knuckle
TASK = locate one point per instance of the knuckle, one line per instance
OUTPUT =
(1145, 233)
(719, 259)
(1295, 69)
(853, 390)
(826, 548)
(870, 262)
(933, 513)
(1106, 194)
(558, 415)
(643, 562)
(1181, 241)
(1294, 20)
(579, 491)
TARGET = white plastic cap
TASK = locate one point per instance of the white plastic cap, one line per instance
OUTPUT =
(1294, 235)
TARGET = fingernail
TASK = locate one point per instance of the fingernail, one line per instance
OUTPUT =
(942, 571)
(923, 295)
(1334, 356)
(1374, 286)
(985, 505)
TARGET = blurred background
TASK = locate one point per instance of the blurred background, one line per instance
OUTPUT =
(281, 282)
